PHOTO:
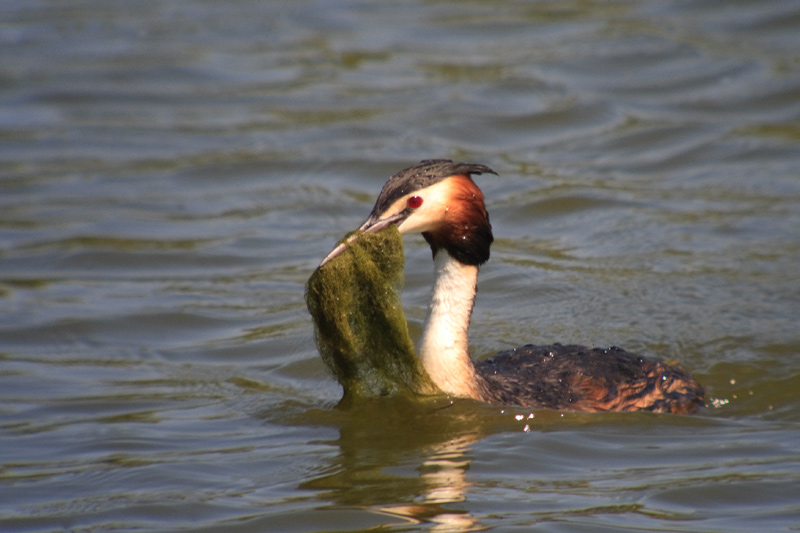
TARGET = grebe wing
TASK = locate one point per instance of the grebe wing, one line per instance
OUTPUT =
(588, 379)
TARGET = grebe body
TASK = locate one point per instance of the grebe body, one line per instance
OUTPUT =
(438, 199)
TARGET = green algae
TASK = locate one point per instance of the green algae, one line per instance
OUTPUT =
(360, 328)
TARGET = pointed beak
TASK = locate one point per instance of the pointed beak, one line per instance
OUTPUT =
(372, 225)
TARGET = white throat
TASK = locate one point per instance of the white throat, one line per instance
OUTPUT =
(444, 345)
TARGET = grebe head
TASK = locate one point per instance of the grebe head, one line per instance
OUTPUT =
(437, 198)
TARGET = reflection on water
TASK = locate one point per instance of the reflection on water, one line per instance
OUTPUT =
(445, 481)
(172, 172)
(380, 441)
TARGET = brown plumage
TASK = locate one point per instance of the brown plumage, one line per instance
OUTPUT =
(587, 379)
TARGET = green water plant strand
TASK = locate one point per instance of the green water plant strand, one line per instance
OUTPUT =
(360, 327)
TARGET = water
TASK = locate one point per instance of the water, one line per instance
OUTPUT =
(172, 172)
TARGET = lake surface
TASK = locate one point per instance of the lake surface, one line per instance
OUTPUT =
(171, 173)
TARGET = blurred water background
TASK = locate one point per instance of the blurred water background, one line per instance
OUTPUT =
(171, 172)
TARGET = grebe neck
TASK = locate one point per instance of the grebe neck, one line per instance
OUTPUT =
(444, 345)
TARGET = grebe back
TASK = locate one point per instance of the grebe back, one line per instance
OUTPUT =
(439, 199)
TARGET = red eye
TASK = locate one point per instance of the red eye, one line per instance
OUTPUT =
(414, 202)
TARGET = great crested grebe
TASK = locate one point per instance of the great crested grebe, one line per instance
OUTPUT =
(439, 199)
